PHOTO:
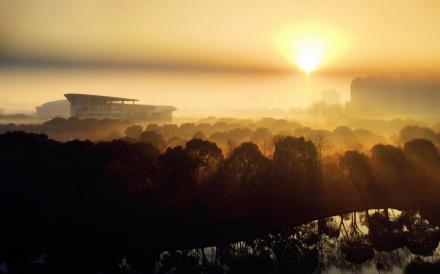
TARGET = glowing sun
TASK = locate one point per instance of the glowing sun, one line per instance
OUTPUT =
(308, 55)
(310, 47)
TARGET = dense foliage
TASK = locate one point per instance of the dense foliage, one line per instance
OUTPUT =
(139, 194)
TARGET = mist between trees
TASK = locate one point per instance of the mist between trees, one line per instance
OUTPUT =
(227, 133)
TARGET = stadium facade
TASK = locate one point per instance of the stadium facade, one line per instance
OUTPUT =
(84, 106)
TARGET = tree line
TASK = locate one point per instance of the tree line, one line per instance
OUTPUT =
(133, 195)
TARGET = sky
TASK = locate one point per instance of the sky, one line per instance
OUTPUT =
(57, 46)
(246, 34)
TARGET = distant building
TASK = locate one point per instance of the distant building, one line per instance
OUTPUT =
(331, 97)
(85, 106)
(60, 108)
(403, 97)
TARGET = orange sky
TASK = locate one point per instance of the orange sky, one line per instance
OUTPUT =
(362, 36)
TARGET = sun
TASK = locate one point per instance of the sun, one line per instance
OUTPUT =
(311, 46)
(308, 55)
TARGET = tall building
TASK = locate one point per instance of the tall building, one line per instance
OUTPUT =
(402, 97)
(85, 106)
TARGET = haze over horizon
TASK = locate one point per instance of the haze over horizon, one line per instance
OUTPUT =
(206, 55)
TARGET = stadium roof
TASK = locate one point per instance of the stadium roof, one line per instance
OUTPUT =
(71, 96)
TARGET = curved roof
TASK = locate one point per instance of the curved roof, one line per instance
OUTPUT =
(71, 96)
(63, 102)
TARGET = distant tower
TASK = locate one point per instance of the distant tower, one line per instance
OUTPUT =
(331, 97)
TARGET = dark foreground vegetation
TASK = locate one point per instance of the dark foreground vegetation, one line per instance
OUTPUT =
(78, 200)
(371, 241)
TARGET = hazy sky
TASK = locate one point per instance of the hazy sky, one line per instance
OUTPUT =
(351, 38)
(360, 36)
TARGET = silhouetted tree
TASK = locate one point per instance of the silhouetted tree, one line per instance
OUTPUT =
(423, 153)
(154, 127)
(409, 133)
(357, 167)
(199, 135)
(153, 138)
(169, 130)
(205, 154)
(344, 137)
(389, 163)
(246, 165)
(175, 142)
(134, 132)
(296, 161)
(177, 170)
(131, 166)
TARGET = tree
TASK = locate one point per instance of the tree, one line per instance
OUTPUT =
(296, 161)
(409, 133)
(322, 144)
(187, 130)
(247, 164)
(357, 167)
(422, 152)
(206, 154)
(153, 138)
(199, 135)
(175, 142)
(154, 127)
(176, 170)
(263, 138)
(131, 166)
(134, 132)
(344, 137)
(343, 131)
(389, 162)
(169, 130)
(367, 137)
(114, 135)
